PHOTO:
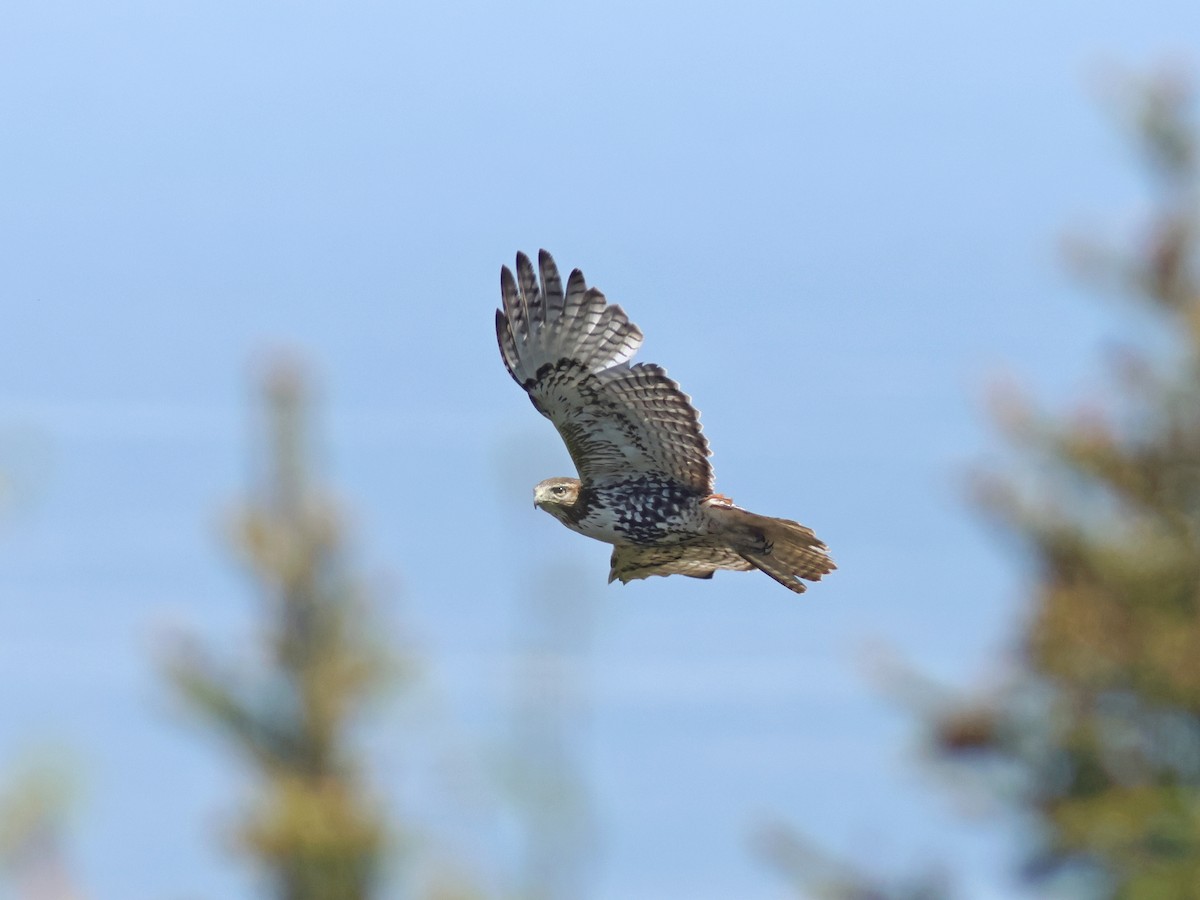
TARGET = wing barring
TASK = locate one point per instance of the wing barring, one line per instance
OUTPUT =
(570, 351)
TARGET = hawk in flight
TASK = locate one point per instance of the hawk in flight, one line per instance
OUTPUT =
(645, 484)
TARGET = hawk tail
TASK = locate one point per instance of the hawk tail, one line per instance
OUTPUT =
(785, 550)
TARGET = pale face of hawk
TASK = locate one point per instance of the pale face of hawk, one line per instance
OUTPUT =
(557, 496)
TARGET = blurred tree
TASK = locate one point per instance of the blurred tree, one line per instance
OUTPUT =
(1097, 737)
(311, 825)
(550, 707)
(542, 760)
(815, 875)
(33, 807)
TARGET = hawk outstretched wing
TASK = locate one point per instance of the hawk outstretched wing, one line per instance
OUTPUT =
(629, 563)
(570, 352)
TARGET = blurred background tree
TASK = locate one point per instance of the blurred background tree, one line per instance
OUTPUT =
(311, 824)
(814, 874)
(38, 788)
(547, 789)
(1096, 738)
(34, 804)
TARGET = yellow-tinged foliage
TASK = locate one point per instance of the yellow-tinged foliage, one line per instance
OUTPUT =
(310, 825)
(1102, 725)
(321, 819)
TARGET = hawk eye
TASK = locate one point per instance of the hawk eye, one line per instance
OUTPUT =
(559, 489)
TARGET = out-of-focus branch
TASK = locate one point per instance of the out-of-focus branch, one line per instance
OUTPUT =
(33, 807)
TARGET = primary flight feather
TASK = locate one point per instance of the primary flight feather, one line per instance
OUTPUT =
(645, 484)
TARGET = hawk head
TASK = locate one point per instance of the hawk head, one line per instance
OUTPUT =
(557, 496)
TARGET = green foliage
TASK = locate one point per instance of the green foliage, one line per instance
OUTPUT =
(1098, 738)
(34, 802)
(311, 825)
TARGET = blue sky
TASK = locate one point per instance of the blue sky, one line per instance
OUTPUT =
(835, 223)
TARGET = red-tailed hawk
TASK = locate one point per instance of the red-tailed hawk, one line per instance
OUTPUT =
(645, 484)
